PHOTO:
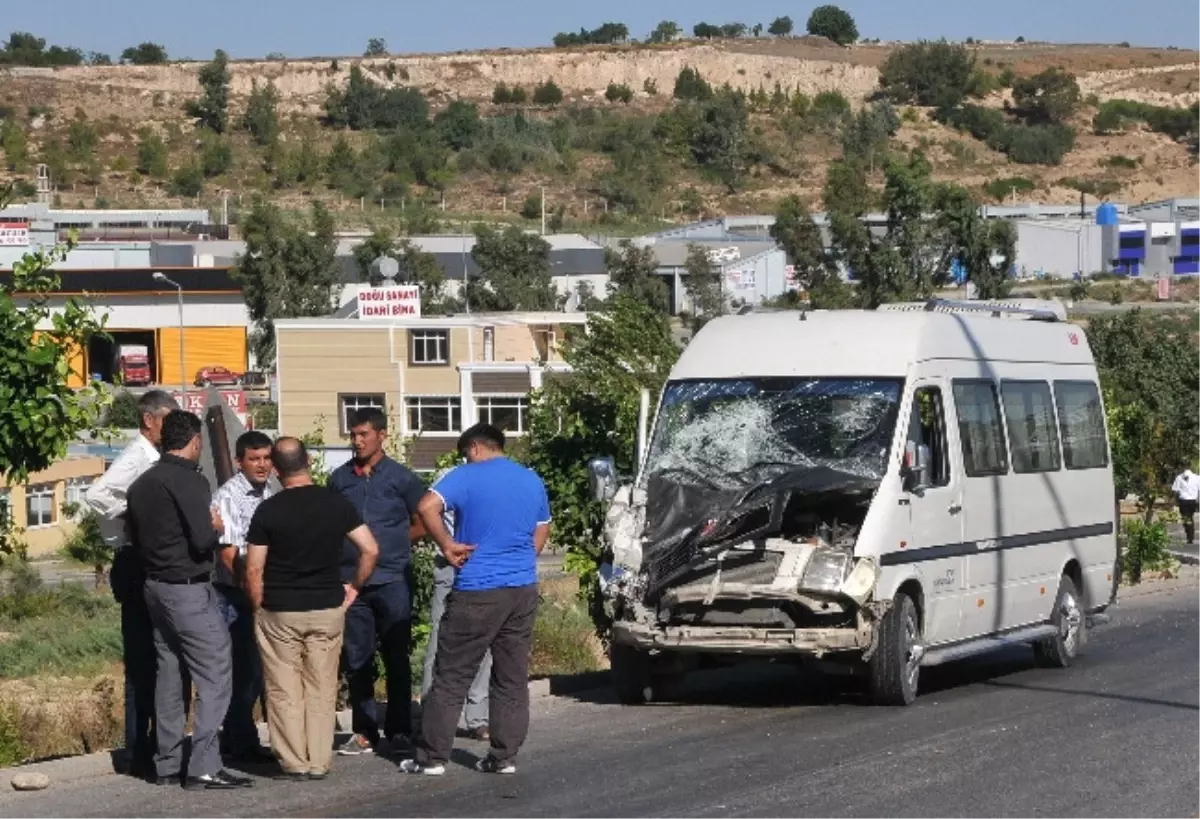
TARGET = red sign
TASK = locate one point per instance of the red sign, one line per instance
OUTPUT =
(195, 401)
(394, 300)
(14, 233)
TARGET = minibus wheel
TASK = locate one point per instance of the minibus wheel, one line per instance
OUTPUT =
(895, 666)
(1061, 650)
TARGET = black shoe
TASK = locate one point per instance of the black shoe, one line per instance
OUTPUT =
(222, 780)
(173, 779)
(253, 756)
(291, 776)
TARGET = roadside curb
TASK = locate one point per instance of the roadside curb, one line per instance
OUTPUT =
(1187, 558)
(1189, 579)
(71, 769)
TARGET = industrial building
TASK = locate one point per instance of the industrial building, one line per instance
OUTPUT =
(435, 376)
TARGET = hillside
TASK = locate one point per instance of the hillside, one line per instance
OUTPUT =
(84, 122)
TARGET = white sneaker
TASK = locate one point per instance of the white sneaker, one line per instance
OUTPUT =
(411, 766)
(490, 764)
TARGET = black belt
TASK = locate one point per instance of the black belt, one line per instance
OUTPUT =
(190, 581)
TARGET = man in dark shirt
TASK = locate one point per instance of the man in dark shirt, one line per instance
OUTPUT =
(174, 532)
(294, 581)
(386, 495)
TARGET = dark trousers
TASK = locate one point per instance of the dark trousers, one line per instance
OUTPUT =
(137, 649)
(239, 733)
(189, 635)
(380, 618)
(499, 619)
(1187, 511)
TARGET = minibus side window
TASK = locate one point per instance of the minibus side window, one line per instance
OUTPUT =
(927, 427)
(1032, 430)
(1082, 423)
(979, 430)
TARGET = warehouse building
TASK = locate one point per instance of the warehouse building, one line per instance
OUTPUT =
(435, 376)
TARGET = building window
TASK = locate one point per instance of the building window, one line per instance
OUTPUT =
(504, 412)
(1081, 420)
(347, 404)
(76, 487)
(39, 505)
(979, 428)
(429, 346)
(427, 413)
(1032, 431)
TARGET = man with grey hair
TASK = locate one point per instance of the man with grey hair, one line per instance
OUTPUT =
(475, 710)
(107, 498)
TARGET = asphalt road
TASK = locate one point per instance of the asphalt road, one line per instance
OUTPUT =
(1116, 735)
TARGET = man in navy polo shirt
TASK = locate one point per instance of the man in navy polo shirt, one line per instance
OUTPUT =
(386, 495)
(502, 522)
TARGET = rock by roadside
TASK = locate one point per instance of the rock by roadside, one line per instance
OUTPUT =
(30, 781)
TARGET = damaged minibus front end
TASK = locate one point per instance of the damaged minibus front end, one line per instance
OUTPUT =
(739, 536)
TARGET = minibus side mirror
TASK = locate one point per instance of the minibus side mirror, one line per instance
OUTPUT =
(602, 478)
(916, 467)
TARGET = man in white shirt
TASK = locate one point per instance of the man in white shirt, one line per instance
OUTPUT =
(107, 498)
(1187, 497)
(235, 502)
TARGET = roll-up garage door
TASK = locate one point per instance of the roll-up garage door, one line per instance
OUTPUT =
(202, 347)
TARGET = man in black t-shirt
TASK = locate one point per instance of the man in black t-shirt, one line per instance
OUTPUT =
(293, 578)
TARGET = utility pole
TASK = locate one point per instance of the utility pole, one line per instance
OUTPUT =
(543, 210)
(159, 276)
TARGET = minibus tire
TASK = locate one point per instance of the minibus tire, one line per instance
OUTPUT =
(892, 681)
(1061, 650)
(629, 668)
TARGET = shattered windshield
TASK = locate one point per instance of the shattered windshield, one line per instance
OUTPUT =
(725, 434)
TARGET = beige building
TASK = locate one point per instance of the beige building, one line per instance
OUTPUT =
(433, 376)
(36, 507)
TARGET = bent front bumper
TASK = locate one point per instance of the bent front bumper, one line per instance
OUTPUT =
(741, 640)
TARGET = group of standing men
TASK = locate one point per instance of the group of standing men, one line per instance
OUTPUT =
(259, 594)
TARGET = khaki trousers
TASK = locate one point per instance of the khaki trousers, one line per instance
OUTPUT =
(300, 651)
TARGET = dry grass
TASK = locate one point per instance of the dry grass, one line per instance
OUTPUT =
(60, 716)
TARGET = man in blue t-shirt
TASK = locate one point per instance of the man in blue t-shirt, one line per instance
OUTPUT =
(502, 522)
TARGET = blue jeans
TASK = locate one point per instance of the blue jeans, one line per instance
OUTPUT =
(379, 619)
(137, 638)
(239, 733)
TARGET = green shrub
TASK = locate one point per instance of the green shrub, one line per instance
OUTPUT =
(928, 73)
(690, 85)
(548, 93)
(1119, 161)
(1143, 547)
(1000, 189)
(618, 93)
(12, 748)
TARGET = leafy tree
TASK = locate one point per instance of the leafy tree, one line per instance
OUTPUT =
(935, 74)
(289, 270)
(632, 272)
(40, 415)
(188, 180)
(144, 54)
(363, 105)
(618, 93)
(977, 242)
(780, 27)
(24, 48)
(123, 412)
(86, 544)
(665, 32)
(531, 208)
(834, 23)
(606, 34)
(341, 168)
(152, 155)
(733, 31)
(757, 29)
(376, 47)
(548, 93)
(846, 190)
(800, 237)
(705, 287)
(262, 113)
(15, 146)
(690, 85)
(706, 31)
(216, 155)
(459, 125)
(514, 271)
(1050, 97)
(98, 58)
(866, 134)
(211, 111)
(81, 140)
(721, 143)
(1148, 368)
(593, 411)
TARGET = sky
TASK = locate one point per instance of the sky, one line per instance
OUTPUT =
(299, 28)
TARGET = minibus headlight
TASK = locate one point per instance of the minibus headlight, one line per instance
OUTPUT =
(826, 570)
